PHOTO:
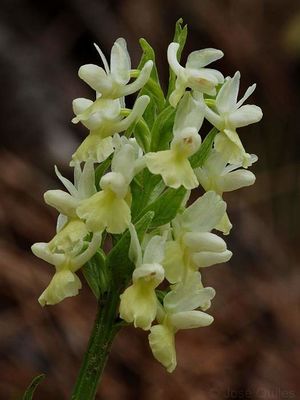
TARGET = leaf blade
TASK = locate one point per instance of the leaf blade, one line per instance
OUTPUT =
(28, 395)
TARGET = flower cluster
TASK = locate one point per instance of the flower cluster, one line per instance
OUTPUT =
(145, 162)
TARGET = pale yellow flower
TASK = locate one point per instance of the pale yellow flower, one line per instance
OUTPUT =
(194, 75)
(65, 252)
(229, 114)
(104, 119)
(113, 81)
(173, 165)
(110, 208)
(138, 302)
(179, 311)
(194, 246)
(217, 175)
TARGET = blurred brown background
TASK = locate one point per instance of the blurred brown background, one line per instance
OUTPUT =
(252, 349)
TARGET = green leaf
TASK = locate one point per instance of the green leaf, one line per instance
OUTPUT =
(148, 54)
(100, 171)
(142, 189)
(28, 395)
(152, 88)
(166, 206)
(142, 134)
(179, 37)
(117, 260)
(96, 274)
(198, 159)
(162, 130)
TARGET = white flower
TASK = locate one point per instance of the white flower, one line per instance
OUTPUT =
(110, 208)
(179, 312)
(194, 75)
(64, 251)
(194, 246)
(83, 188)
(173, 165)
(139, 302)
(103, 118)
(229, 114)
(112, 82)
(217, 175)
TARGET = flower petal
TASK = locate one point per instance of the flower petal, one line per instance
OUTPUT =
(247, 94)
(151, 274)
(123, 161)
(179, 90)
(205, 259)
(204, 214)
(245, 115)
(203, 80)
(201, 58)
(95, 77)
(213, 118)
(93, 148)
(224, 225)
(138, 305)
(103, 58)
(136, 113)
(172, 58)
(188, 295)
(173, 262)
(80, 105)
(140, 81)
(120, 64)
(190, 113)
(237, 179)
(62, 201)
(229, 144)
(203, 241)
(67, 184)
(162, 344)
(135, 251)
(86, 182)
(63, 284)
(105, 210)
(155, 250)
(116, 183)
(174, 171)
(227, 97)
(191, 319)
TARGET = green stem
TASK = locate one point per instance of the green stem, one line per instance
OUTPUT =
(99, 345)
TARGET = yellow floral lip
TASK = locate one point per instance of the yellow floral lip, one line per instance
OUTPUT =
(104, 210)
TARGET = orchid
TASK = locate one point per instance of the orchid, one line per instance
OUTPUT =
(194, 75)
(179, 311)
(194, 246)
(221, 177)
(110, 208)
(139, 302)
(112, 81)
(173, 165)
(83, 187)
(65, 252)
(229, 114)
(104, 119)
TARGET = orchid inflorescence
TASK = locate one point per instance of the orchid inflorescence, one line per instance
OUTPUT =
(133, 177)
